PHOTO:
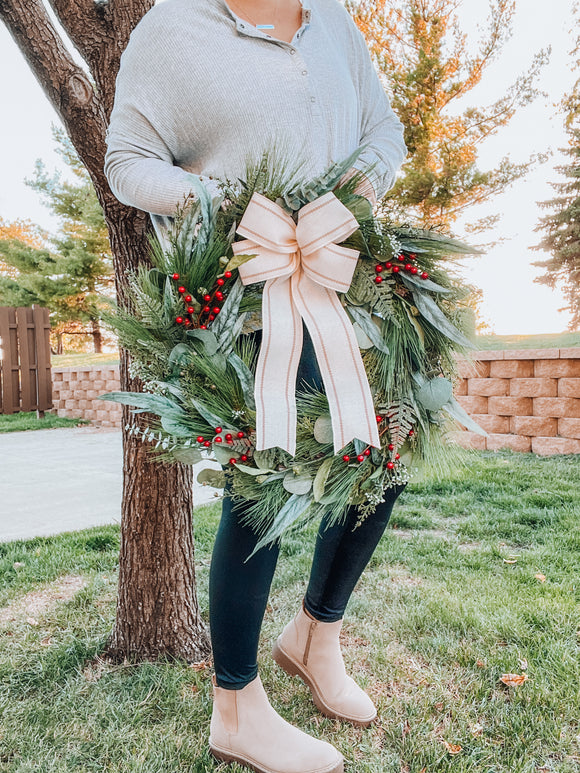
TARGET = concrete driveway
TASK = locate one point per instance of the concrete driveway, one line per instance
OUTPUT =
(55, 480)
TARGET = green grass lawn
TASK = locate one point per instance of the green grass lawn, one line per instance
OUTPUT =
(546, 341)
(452, 600)
(84, 358)
(27, 420)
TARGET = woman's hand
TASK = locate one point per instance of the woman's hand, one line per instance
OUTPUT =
(364, 188)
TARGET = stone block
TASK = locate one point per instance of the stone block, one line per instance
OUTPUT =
(460, 388)
(569, 428)
(489, 354)
(568, 368)
(510, 406)
(92, 394)
(560, 407)
(569, 387)
(473, 404)
(491, 423)
(486, 387)
(513, 442)
(112, 385)
(512, 369)
(83, 404)
(533, 426)
(548, 446)
(469, 440)
(572, 352)
(533, 387)
(533, 354)
(475, 369)
(70, 405)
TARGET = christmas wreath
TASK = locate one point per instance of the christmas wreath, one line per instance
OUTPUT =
(265, 255)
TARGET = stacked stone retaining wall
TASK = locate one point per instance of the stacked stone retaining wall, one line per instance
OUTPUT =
(526, 400)
(75, 391)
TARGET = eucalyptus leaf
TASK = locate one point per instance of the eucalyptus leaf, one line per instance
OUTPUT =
(179, 355)
(204, 411)
(365, 320)
(147, 402)
(252, 470)
(362, 339)
(323, 429)
(214, 478)
(245, 377)
(222, 452)
(433, 314)
(435, 393)
(175, 427)
(413, 320)
(208, 339)
(297, 484)
(237, 261)
(414, 280)
(187, 455)
(457, 412)
(359, 446)
(292, 510)
(321, 478)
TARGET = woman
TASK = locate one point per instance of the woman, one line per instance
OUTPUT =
(203, 86)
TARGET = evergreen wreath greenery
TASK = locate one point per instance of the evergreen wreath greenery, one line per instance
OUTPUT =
(187, 337)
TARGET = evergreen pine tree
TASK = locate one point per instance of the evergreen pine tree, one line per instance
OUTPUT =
(562, 226)
(422, 53)
(65, 272)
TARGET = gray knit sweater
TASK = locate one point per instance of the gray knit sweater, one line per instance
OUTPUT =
(200, 90)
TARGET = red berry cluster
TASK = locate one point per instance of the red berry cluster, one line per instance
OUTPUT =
(209, 311)
(219, 437)
(408, 264)
(391, 464)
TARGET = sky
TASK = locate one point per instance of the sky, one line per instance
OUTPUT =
(512, 302)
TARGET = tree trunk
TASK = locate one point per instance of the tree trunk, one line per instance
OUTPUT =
(97, 336)
(157, 610)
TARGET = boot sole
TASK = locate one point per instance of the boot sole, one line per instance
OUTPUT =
(224, 756)
(293, 669)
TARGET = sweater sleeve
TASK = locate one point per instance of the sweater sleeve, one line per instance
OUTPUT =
(381, 130)
(138, 164)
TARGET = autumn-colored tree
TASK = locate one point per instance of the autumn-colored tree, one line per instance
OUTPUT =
(65, 273)
(24, 231)
(425, 59)
(562, 225)
(157, 608)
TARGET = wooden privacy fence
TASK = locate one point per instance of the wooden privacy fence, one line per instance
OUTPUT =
(25, 378)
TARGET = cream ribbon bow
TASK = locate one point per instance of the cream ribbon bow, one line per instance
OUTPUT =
(303, 269)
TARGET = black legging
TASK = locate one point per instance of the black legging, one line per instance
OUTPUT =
(238, 591)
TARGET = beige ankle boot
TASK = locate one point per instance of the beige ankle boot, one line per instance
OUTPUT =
(246, 729)
(310, 649)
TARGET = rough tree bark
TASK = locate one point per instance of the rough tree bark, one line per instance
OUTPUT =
(157, 609)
